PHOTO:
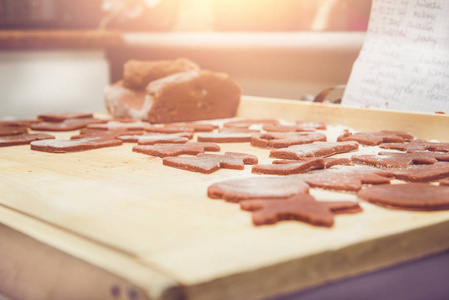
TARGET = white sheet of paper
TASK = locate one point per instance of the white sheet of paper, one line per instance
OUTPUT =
(404, 62)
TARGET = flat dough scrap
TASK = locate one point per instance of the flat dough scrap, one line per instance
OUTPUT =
(345, 178)
(285, 139)
(316, 149)
(63, 146)
(328, 161)
(236, 190)
(151, 139)
(137, 74)
(225, 137)
(59, 117)
(12, 130)
(376, 138)
(126, 124)
(245, 124)
(423, 173)
(66, 125)
(291, 168)
(303, 207)
(417, 145)
(191, 96)
(409, 196)
(399, 160)
(209, 163)
(23, 139)
(163, 150)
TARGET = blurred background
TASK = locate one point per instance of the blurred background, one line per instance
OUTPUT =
(59, 54)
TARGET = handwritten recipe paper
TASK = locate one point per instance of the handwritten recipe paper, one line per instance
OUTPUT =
(404, 62)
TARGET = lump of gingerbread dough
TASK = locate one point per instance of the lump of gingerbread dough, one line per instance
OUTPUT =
(123, 102)
(191, 96)
(137, 74)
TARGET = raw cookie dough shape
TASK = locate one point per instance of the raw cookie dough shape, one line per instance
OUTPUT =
(328, 161)
(345, 178)
(236, 190)
(376, 138)
(59, 117)
(290, 168)
(209, 163)
(285, 139)
(316, 149)
(66, 125)
(409, 196)
(423, 173)
(12, 130)
(83, 144)
(23, 139)
(400, 160)
(163, 150)
(417, 145)
(151, 139)
(301, 207)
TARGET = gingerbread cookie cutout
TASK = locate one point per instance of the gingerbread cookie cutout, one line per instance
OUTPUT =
(12, 130)
(376, 138)
(409, 196)
(345, 178)
(236, 190)
(151, 139)
(66, 125)
(290, 168)
(59, 117)
(225, 137)
(304, 208)
(423, 173)
(328, 161)
(399, 160)
(285, 139)
(209, 163)
(18, 123)
(163, 150)
(238, 130)
(316, 149)
(23, 139)
(63, 146)
(250, 122)
(417, 145)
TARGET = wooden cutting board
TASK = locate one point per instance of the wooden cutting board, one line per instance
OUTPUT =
(155, 227)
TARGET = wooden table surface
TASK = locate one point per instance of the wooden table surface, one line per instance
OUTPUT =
(154, 228)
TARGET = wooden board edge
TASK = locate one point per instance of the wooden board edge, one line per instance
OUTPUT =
(311, 271)
(39, 259)
(361, 119)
